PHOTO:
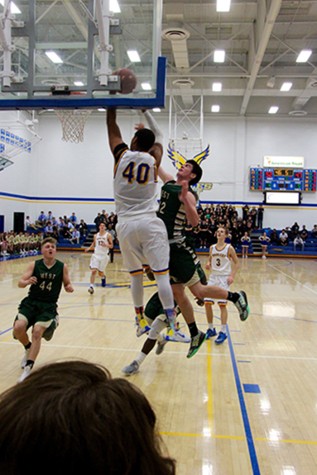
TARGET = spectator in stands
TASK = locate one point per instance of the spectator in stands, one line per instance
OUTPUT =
(48, 230)
(73, 219)
(113, 234)
(41, 220)
(29, 224)
(75, 236)
(292, 231)
(264, 241)
(303, 233)
(83, 229)
(97, 220)
(260, 214)
(283, 238)
(274, 237)
(314, 231)
(49, 216)
(253, 216)
(298, 241)
(245, 212)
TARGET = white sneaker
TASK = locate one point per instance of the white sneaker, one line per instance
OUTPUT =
(141, 326)
(25, 358)
(131, 368)
(26, 372)
(178, 336)
(263, 257)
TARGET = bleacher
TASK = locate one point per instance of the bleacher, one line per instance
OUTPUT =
(274, 250)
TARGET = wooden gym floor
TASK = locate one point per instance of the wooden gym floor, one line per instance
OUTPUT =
(246, 407)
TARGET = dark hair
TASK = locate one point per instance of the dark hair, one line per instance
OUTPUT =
(197, 170)
(50, 240)
(72, 417)
(145, 139)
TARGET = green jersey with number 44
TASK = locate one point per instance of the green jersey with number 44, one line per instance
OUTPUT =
(49, 281)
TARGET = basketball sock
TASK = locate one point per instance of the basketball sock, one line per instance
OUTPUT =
(233, 297)
(147, 347)
(28, 346)
(224, 329)
(193, 330)
(141, 357)
(211, 326)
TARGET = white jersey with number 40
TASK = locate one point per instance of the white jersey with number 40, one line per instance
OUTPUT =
(135, 184)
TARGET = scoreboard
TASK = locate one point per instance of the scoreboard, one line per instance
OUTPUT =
(282, 179)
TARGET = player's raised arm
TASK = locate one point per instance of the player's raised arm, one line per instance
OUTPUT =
(114, 133)
(157, 149)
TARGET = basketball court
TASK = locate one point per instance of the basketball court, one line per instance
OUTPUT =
(244, 407)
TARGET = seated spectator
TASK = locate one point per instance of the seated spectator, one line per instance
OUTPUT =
(83, 228)
(41, 220)
(295, 229)
(48, 230)
(283, 237)
(314, 231)
(83, 420)
(29, 223)
(73, 219)
(75, 236)
(298, 241)
(303, 233)
(274, 237)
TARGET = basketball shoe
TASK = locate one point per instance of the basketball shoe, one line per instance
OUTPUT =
(132, 368)
(210, 333)
(242, 305)
(141, 325)
(196, 343)
(221, 338)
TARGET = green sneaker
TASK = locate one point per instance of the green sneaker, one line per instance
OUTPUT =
(196, 343)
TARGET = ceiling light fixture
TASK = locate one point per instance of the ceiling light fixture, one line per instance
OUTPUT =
(216, 86)
(219, 56)
(223, 5)
(78, 83)
(286, 86)
(134, 56)
(304, 56)
(13, 8)
(114, 6)
(53, 57)
(156, 109)
(215, 108)
(273, 110)
(146, 86)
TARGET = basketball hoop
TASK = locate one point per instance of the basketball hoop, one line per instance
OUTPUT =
(73, 123)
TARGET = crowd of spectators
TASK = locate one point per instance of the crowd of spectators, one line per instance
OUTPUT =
(75, 231)
(213, 216)
(292, 234)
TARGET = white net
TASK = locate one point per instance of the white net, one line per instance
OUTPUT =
(73, 123)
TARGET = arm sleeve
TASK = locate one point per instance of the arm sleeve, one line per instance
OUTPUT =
(154, 127)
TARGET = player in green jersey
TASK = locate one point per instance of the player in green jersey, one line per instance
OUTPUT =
(39, 309)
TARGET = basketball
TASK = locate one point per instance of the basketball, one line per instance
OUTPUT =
(128, 80)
